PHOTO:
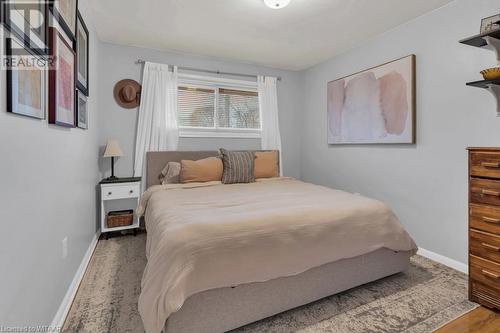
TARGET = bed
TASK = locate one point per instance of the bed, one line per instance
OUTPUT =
(223, 256)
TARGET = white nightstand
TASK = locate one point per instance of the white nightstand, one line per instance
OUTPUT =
(120, 194)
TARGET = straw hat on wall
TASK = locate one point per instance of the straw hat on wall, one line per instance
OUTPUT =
(127, 93)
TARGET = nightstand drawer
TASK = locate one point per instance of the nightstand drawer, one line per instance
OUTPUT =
(120, 192)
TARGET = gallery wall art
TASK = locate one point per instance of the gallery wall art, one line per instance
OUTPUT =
(54, 37)
(82, 54)
(61, 81)
(374, 106)
(34, 38)
(81, 110)
(26, 83)
(64, 12)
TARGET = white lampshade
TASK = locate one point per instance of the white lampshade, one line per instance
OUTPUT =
(276, 4)
(113, 149)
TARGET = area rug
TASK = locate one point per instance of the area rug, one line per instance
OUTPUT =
(419, 300)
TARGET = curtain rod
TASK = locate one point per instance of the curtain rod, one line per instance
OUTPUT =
(141, 61)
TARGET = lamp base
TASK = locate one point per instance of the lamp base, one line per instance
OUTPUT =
(112, 178)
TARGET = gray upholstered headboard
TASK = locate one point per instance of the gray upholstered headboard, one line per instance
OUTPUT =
(156, 161)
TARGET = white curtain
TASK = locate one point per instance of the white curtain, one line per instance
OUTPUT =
(157, 128)
(268, 104)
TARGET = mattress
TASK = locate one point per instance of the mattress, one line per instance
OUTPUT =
(209, 236)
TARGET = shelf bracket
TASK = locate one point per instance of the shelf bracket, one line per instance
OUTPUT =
(494, 89)
(494, 45)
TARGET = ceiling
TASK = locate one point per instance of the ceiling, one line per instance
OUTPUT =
(299, 36)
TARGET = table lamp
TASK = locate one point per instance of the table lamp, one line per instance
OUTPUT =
(113, 150)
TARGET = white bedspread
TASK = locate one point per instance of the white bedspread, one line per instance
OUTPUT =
(208, 236)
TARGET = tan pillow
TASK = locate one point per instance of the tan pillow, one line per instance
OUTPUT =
(266, 164)
(205, 170)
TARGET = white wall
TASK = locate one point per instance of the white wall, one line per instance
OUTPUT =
(426, 183)
(48, 178)
(118, 62)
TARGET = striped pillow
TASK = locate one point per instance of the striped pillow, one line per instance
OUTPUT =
(238, 166)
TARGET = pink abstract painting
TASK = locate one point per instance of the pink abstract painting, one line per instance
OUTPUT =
(373, 106)
(65, 87)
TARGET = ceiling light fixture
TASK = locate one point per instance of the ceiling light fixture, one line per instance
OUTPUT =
(276, 4)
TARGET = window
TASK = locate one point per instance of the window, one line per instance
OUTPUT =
(214, 107)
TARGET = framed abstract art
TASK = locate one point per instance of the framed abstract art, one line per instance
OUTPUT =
(81, 110)
(61, 81)
(26, 82)
(376, 105)
(21, 21)
(82, 56)
(64, 11)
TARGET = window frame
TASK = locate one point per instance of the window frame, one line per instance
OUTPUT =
(215, 83)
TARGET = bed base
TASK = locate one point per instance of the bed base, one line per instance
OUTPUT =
(223, 309)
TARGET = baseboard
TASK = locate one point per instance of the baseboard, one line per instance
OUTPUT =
(459, 266)
(63, 310)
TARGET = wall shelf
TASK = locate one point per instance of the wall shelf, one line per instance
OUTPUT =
(493, 86)
(479, 40)
(488, 41)
(484, 83)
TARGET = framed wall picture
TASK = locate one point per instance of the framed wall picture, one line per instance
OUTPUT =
(376, 105)
(490, 23)
(82, 56)
(61, 81)
(27, 21)
(64, 11)
(26, 82)
(81, 110)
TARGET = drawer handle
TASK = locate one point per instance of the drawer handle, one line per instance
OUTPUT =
(109, 193)
(490, 220)
(491, 247)
(490, 165)
(490, 192)
(131, 191)
(490, 274)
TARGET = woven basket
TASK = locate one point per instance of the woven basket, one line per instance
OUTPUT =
(120, 219)
(491, 73)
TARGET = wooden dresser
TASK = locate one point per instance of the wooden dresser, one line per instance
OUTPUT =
(484, 226)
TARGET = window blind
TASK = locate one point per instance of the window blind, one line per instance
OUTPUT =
(238, 109)
(196, 106)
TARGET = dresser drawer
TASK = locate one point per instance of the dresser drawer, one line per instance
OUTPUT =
(485, 245)
(483, 294)
(485, 218)
(486, 272)
(485, 164)
(485, 191)
(120, 192)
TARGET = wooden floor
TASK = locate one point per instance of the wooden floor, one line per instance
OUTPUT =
(480, 320)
